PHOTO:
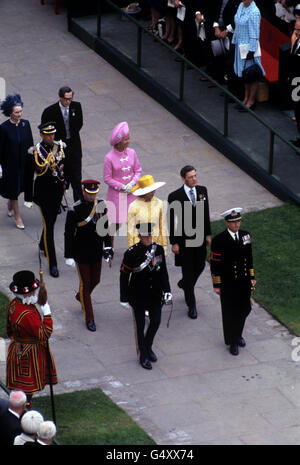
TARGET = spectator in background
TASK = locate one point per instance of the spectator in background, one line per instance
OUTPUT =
(247, 31)
(46, 433)
(158, 10)
(15, 140)
(194, 32)
(284, 11)
(294, 73)
(173, 25)
(68, 118)
(30, 423)
(223, 26)
(10, 417)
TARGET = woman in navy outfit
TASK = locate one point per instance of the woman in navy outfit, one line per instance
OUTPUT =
(15, 140)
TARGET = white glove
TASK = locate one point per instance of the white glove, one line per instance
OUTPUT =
(0, 171)
(28, 204)
(168, 298)
(70, 262)
(46, 309)
(125, 305)
(129, 187)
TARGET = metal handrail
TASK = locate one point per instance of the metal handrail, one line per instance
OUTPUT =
(184, 61)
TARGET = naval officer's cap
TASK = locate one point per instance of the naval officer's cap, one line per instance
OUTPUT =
(47, 128)
(233, 214)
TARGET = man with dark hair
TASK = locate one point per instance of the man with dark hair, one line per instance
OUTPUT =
(67, 115)
(294, 72)
(189, 229)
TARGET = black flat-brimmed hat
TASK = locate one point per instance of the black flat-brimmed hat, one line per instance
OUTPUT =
(24, 282)
(47, 128)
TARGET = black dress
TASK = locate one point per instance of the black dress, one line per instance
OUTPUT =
(15, 141)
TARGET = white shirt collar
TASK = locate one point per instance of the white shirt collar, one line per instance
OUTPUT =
(63, 108)
(14, 413)
(233, 234)
(187, 190)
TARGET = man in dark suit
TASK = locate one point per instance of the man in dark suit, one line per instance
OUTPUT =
(223, 28)
(233, 278)
(67, 115)
(10, 417)
(189, 229)
(294, 67)
(144, 285)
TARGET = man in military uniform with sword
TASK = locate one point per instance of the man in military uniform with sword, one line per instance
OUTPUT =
(49, 187)
(87, 240)
(144, 285)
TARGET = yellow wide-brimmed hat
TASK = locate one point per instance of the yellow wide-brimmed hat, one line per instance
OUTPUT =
(145, 185)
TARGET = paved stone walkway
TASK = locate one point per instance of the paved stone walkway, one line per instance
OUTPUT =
(197, 393)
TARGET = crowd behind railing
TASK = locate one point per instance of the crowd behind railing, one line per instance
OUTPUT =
(224, 39)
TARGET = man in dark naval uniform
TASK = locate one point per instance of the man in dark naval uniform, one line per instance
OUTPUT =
(144, 285)
(47, 162)
(86, 232)
(189, 229)
(233, 277)
(68, 117)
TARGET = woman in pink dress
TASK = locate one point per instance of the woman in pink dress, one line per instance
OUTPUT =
(121, 172)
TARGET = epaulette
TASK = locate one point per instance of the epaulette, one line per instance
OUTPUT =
(31, 150)
(133, 246)
(60, 142)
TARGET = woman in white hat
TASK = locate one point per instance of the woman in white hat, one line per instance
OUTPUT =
(147, 208)
(30, 423)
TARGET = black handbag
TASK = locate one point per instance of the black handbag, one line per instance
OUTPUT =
(252, 73)
(218, 47)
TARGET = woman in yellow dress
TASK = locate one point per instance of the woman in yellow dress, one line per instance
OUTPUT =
(147, 208)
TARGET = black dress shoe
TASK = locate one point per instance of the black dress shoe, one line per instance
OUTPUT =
(91, 325)
(146, 364)
(192, 313)
(243, 110)
(180, 284)
(242, 342)
(234, 350)
(54, 272)
(296, 142)
(152, 355)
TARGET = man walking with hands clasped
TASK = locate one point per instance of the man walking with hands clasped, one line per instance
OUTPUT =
(233, 278)
(189, 228)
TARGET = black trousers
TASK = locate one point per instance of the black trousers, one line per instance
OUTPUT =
(236, 306)
(49, 214)
(192, 265)
(145, 341)
(73, 168)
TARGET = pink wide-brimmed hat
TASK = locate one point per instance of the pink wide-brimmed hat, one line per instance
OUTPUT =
(119, 132)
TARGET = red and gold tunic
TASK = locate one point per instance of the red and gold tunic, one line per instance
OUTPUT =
(27, 360)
